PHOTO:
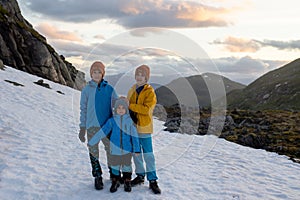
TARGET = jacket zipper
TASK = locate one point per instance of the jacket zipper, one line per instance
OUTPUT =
(121, 134)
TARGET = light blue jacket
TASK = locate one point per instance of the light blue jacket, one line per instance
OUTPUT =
(124, 137)
(96, 104)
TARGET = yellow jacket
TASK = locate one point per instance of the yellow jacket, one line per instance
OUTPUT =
(143, 105)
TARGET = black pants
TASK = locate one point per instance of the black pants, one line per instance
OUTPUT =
(94, 152)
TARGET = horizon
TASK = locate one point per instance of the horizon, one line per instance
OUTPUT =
(244, 40)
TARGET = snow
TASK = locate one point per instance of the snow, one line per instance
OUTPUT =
(42, 158)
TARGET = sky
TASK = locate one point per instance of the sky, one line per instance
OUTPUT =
(41, 156)
(241, 40)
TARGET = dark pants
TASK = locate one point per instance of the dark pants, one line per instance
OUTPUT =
(121, 163)
(94, 152)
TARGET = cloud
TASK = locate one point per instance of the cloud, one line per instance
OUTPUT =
(52, 32)
(142, 32)
(282, 45)
(245, 69)
(134, 13)
(234, 44)
(245, 65)
(171, 14)
(99, 36)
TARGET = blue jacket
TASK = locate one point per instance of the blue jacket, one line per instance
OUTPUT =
(124, 137)
(96, 104)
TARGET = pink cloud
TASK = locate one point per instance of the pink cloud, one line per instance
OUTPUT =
(234, 44)
(54, 33)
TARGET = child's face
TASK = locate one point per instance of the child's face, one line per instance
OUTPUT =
(140, 79)
(97, 75)
(121, 110)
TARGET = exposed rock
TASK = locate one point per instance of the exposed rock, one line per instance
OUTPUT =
(1, 65)
(272, 130)
(160, 111)
(41, 83)
(266, 96)
(25, 49)
(60, 92)
(14, 83)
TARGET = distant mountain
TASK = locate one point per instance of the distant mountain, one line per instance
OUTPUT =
(276, 90)
(122, 82)
(193, 90)
(23, 48)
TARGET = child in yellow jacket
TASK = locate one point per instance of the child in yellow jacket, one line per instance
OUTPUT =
(142, 100)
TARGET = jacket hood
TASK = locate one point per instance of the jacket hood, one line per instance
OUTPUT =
(120, 102)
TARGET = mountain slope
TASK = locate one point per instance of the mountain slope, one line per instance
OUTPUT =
(42, 158)
(185, 87)
(278, 90)
(23, 48)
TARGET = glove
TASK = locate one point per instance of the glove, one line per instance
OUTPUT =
(81, 134)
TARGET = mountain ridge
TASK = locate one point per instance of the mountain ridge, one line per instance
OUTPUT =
(189, 88)
(23, 48)
(277, 89)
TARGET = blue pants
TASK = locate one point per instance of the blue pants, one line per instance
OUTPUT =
(117, 169)
(148, 156)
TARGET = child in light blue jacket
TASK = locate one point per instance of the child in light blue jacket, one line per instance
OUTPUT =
(96, 101)
(123, 143)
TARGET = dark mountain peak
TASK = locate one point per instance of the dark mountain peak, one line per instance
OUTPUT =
(183, 88)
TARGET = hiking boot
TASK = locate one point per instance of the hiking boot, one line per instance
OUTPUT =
(137, 181)
(114, 185)
(154, 187)
(98, 183)
(127, 185)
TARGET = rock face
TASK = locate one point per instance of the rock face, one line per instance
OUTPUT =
(1, 65)
(25, 49)
(273, 130)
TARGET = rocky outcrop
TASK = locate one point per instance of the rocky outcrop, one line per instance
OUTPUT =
(1, 65)
(272, 130)
(25, 49)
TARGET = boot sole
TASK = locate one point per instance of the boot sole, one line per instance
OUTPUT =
(99, 188)
(112, 191)
(133, 185)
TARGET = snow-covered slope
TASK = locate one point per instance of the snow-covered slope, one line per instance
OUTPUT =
(42, 158)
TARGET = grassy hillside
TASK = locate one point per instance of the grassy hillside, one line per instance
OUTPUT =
(278, 90)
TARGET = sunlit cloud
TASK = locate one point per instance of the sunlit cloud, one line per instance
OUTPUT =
(234, 44)
(136, 13)
(142, 32)
(52, 32)
(99, 36)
